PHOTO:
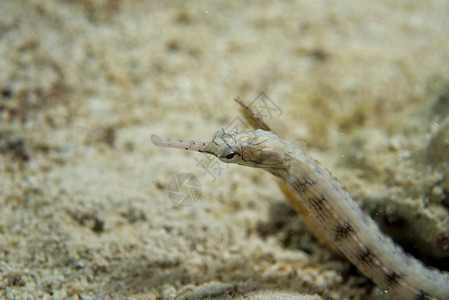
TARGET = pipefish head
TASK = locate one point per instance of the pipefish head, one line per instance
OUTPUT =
(259, 149)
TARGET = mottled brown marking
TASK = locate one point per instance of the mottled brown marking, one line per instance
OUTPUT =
(393, 278)
(303, 183)
(422, 295)
(367, 257)
(342, 231)
(318, 204)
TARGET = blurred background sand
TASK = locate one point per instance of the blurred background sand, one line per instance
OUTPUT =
(85, 212)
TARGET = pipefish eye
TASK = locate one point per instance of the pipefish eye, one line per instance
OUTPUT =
(230, 156)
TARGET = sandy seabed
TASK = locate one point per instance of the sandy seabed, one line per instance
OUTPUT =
(85, 211)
